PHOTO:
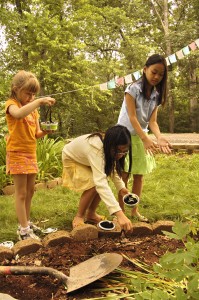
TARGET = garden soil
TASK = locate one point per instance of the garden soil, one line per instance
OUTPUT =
(147, 249)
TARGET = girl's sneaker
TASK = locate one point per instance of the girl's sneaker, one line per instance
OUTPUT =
(35, 228)
(7, 244)
(28, 235)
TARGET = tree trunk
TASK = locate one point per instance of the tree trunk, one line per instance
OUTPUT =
(169, 52)
(194, 109)
(164, 19)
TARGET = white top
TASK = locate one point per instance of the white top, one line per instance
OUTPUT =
(89, 152)
(144, 107)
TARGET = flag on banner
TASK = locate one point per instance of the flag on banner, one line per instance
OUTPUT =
(137, 75)
(120, 81)
(172, 58)
(197, 42)
(128, 78)
(180, 54)
(193, 46)
(167, 60)
(186, 50)
(111, 84)
(103, 86)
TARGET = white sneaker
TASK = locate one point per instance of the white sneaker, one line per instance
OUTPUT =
(7, 244)
(28, 235)
(34, 227)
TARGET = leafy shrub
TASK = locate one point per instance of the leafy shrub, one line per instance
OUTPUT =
(2, 152)
(49, 158)
(176, 276)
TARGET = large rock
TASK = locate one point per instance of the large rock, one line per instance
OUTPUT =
(141, 229)
(160, 226)
(56, 238)
(26, 246)
(84, 232)
(9, 190)
(5, 253)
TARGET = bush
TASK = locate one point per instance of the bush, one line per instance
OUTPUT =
(49, 158)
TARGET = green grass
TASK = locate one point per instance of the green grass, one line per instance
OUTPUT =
(170, 192)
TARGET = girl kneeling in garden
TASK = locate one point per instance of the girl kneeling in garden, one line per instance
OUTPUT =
(88, 161)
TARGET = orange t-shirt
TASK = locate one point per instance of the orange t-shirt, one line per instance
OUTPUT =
(21, 131)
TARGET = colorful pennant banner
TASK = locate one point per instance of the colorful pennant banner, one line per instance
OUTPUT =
(120, 81)
(171, 59)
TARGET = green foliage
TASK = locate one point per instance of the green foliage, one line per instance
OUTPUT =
(74, 46)
(176, 276)
(49, 158)
(183, 265)
(2, 151)
(4, 179)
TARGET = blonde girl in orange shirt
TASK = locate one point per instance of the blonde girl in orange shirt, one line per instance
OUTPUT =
(23, 125)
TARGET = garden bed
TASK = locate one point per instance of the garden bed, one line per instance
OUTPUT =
(147, 249)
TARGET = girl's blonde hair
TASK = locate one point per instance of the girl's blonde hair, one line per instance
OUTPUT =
(24, 80)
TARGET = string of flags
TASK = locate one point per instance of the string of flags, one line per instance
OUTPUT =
(121, 81)
(171, 59)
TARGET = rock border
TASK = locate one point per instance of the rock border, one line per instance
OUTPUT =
(82, 233)
(10, 189)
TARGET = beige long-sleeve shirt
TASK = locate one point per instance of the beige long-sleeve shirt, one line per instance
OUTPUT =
(89, 152)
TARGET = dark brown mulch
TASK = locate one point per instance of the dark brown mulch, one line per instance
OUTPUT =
(148, 249)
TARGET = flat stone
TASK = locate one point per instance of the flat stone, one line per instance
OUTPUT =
(52, 184)
(141, 229)
(160, 226)
(26, 247)
(56, 238)
(85, 232)
(9, 190)
(5, 253)
(40, 185)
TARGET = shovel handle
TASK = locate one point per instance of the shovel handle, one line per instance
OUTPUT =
(24, 270)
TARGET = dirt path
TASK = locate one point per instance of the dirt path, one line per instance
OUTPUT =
(184, 138)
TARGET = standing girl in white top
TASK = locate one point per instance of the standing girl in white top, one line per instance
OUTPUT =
(88, 161)
(139, 110)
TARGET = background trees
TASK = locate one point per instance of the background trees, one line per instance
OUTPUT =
(73, 46)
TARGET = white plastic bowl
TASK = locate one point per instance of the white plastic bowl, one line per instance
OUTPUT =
(106, 225)
(131, 199)
(49, 126)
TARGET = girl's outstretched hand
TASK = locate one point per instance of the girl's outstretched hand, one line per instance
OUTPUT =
(47, 101)
(164, 145)
(123, 221)
(150, 146)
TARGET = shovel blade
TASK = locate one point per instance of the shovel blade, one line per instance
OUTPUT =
(92, 269)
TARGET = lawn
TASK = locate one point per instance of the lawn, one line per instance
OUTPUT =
(170, 192)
